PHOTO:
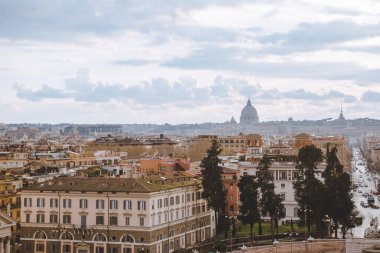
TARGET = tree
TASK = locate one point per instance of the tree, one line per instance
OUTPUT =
(249, 212)
(338, 184)
(270, 202)
(310, 192)
(352, 220)
(278, 210)
(213, 190)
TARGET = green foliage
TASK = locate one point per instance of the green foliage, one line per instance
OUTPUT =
(249, 212)
(270, 202)
(310, 192)
(338, 184)
(213, 190)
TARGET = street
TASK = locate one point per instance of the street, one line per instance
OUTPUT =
(362, 178)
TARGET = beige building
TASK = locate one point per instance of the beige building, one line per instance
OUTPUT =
(114, 215)
(6, 224)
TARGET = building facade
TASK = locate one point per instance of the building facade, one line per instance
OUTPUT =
(114, 215)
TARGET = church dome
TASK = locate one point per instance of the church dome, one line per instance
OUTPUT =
(249, 115)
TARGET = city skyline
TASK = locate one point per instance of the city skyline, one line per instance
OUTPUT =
(187, 62)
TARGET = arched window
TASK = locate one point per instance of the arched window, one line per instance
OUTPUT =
(171, 233)
(159, 237)
(67, 236)
(100, 237)
(127, 238)
(40, 235)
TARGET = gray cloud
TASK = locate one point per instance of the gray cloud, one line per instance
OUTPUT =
(371, 97)
(315, 36)
(185, 92)
(46, 92)
(233, 59)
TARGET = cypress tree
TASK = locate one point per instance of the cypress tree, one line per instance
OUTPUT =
(213, 189)
(249, 212)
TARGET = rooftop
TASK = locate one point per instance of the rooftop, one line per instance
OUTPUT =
(97, 184)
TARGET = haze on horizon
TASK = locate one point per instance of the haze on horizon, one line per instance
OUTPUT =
(187, 61)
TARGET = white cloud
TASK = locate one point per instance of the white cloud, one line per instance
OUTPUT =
(165, 56)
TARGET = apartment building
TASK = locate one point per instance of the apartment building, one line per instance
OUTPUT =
(114, 215)
(284, 174)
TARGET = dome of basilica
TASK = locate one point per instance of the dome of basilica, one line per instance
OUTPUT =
(249, 115)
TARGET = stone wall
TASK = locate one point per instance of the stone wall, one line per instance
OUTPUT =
(358, 245)
(316, 246)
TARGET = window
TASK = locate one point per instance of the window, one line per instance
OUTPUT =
(99, 204)
(176, 215)
(99, 220)
(159, 203)
(159, 219)
(113, 220)
(127, 221)
(27, 202)
(231, 197)
(83, 221)
(40, 218)
(66, 218)
(66, 248)
(283, 196)
(141, 205)
(282, 185)
(166, 202)
(99, 249)
(53, 248)
(127, 204)
(83, 203)
(177, 200)
(296, 212)
(153, 204)
(53, 218)
(113, 204)
(171, 201)
(183, 198)
(66, 203)
(27, 217)
(53, 202)
(40, 202)
(40, 247)
(188, 197)
(171, 216)
(141, 221)
(231, 208)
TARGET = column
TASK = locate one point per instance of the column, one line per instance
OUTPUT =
(2, 245)
(8, 246)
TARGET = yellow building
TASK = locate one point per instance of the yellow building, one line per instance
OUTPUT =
(10, 201)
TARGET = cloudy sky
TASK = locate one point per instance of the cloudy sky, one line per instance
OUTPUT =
(136, 61)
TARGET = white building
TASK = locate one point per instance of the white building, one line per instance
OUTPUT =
(284, 174)
(115, 215)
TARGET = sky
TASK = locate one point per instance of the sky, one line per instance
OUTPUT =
(187, 61)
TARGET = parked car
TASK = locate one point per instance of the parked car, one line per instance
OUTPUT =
(374, 206)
